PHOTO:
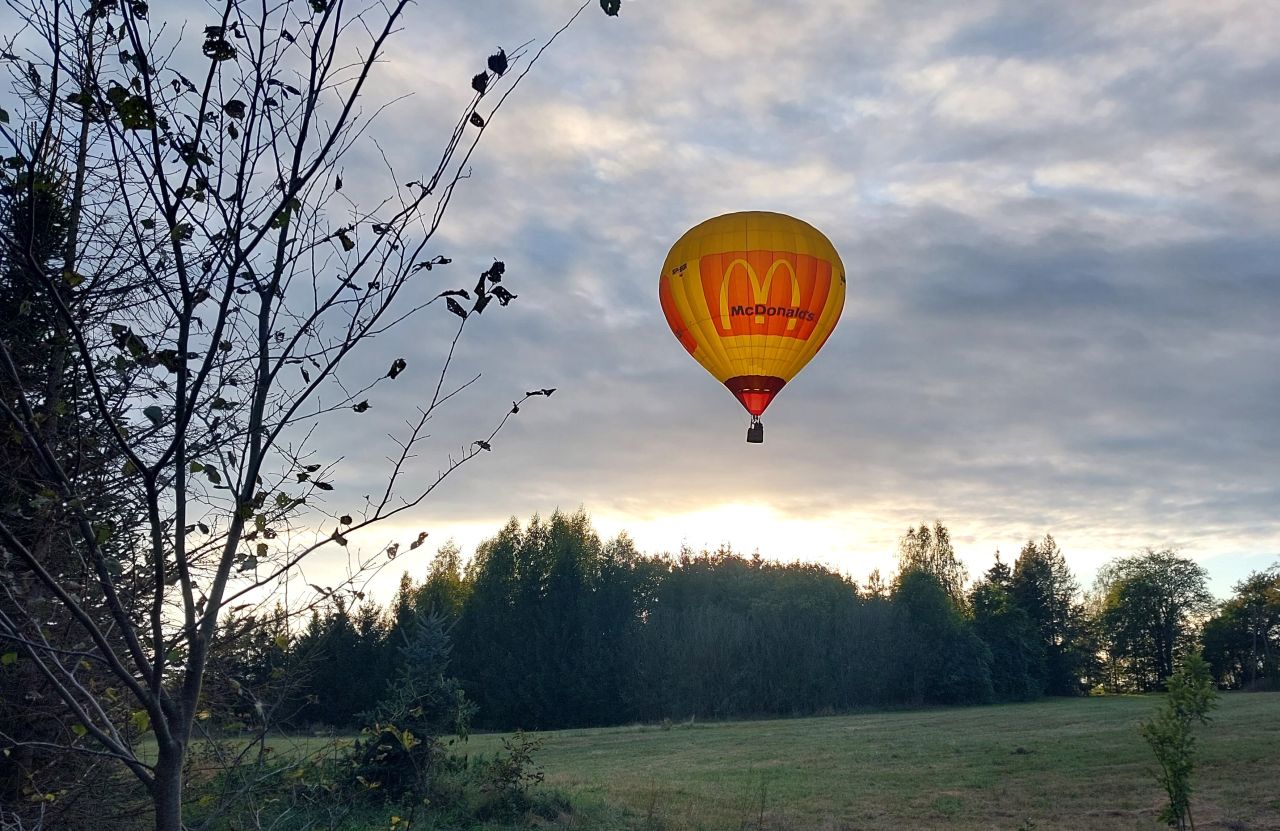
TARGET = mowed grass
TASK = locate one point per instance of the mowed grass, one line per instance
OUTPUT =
(1053, 764)
(1076, 764)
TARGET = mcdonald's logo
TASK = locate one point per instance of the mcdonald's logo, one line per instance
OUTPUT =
(759, 291)
(786, 302)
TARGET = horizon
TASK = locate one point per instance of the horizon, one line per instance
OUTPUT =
(976, 555)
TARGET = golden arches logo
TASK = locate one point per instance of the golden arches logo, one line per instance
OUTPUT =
(759, 290)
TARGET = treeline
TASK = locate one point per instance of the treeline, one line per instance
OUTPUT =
(552, 627)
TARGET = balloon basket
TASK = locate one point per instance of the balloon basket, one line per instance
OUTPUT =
(755, 432)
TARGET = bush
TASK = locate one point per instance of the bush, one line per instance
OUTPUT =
(400, 753)
(388, 779)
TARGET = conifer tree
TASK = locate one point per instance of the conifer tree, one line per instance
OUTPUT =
(1044, 587)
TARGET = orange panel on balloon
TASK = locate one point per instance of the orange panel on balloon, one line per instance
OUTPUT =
(765, 292)
(674, 320)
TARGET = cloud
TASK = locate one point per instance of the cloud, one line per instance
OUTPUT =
(1058, 222)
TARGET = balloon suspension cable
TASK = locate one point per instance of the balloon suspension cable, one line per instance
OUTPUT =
(755, 432)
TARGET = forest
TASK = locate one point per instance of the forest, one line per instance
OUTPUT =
(548, 626)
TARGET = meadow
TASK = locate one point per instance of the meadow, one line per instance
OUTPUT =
(1052, 764)
(1058, 763)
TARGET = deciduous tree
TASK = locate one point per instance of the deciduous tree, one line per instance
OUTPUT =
(929, 550)
(1151, 606)
(1242, 640)
(204, 196)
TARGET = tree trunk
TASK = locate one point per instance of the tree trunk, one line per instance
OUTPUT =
(167, 793)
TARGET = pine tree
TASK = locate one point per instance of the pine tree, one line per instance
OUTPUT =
(38, 373)
(1017, 662)
(407, 732)
(1044, 587)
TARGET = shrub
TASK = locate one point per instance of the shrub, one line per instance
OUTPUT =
(1190, 698)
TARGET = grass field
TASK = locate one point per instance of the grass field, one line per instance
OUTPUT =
(1055, 764)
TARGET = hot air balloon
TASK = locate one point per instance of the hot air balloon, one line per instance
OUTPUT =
(752, 296)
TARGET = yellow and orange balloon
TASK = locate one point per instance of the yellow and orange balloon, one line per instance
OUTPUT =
(752, 296)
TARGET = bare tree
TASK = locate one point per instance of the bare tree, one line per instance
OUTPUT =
(211, 284)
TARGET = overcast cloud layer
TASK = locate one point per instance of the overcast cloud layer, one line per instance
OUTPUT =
(1060, 227)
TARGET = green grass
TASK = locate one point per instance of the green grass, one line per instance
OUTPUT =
(1055, 764)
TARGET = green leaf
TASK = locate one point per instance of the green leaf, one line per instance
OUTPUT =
(611, 7)
(154, 414)
(281, 219)
(195, 467)
(140, 720)
(80, 730)
(213, 476)
(134, 112)
(125, 339)
(8, 659)
(216, 47)
(169, 359)
(72, 279)
(4, 116)
(102, 533)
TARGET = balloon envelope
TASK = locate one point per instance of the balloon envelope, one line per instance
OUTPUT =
(752, 296)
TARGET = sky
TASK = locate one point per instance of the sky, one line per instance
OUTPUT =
(1060, 224)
